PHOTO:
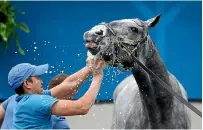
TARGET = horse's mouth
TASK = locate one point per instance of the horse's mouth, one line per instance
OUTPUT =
(90, 44)
(113, 58)
(92, 47)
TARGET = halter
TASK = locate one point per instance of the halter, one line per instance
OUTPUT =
(120, 42)
(130, 53)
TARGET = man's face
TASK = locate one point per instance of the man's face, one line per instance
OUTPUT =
(36, 84)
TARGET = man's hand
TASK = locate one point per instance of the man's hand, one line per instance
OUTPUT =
(96, 65)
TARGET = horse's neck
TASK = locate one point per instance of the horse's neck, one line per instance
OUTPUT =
(157, 100)
(151, 59)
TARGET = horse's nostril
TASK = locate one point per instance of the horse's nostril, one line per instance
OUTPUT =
(100, 32)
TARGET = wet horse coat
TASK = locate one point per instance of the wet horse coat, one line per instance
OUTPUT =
(140, 101)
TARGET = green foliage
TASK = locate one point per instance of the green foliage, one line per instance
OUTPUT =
(8, 25)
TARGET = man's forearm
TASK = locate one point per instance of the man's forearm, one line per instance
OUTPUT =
(89, 98)
(2, 114)
(70, 84)
(78, 78)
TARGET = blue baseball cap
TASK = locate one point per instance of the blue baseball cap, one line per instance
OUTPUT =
(19, 73)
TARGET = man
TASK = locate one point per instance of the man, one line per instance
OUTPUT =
(34, 110)
(58, 122)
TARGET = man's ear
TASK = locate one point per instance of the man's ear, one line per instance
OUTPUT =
(153, 21)
(26, 84)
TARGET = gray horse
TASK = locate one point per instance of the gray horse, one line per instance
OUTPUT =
(140, 102)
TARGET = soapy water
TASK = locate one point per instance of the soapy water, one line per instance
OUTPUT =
(111, 74)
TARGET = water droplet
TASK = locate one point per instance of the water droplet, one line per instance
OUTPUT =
(34, 42)
(35, 47)
(38, 54)
(93, 114)
(101, 109)
(50, 72)
(62, 71)
(120, 113)
(106, 92)
(16, 52)
(34, 50)
(27, 50)
(48, 41)
(46, 71)
(34, 58)
(62, 61)
(70, 66)
(55, 47)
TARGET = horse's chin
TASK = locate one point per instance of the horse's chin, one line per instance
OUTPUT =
(126, 64)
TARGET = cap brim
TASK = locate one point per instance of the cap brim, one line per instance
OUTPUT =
(41, 69)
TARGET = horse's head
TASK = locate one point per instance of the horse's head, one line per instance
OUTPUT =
(107, 40)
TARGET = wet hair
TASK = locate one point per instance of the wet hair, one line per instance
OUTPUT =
(58, 79)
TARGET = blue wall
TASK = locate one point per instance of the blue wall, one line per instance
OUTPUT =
(57, 31)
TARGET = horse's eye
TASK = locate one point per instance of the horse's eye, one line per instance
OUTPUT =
(134, 29)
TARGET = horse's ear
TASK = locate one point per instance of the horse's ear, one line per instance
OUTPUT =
(153, 21)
